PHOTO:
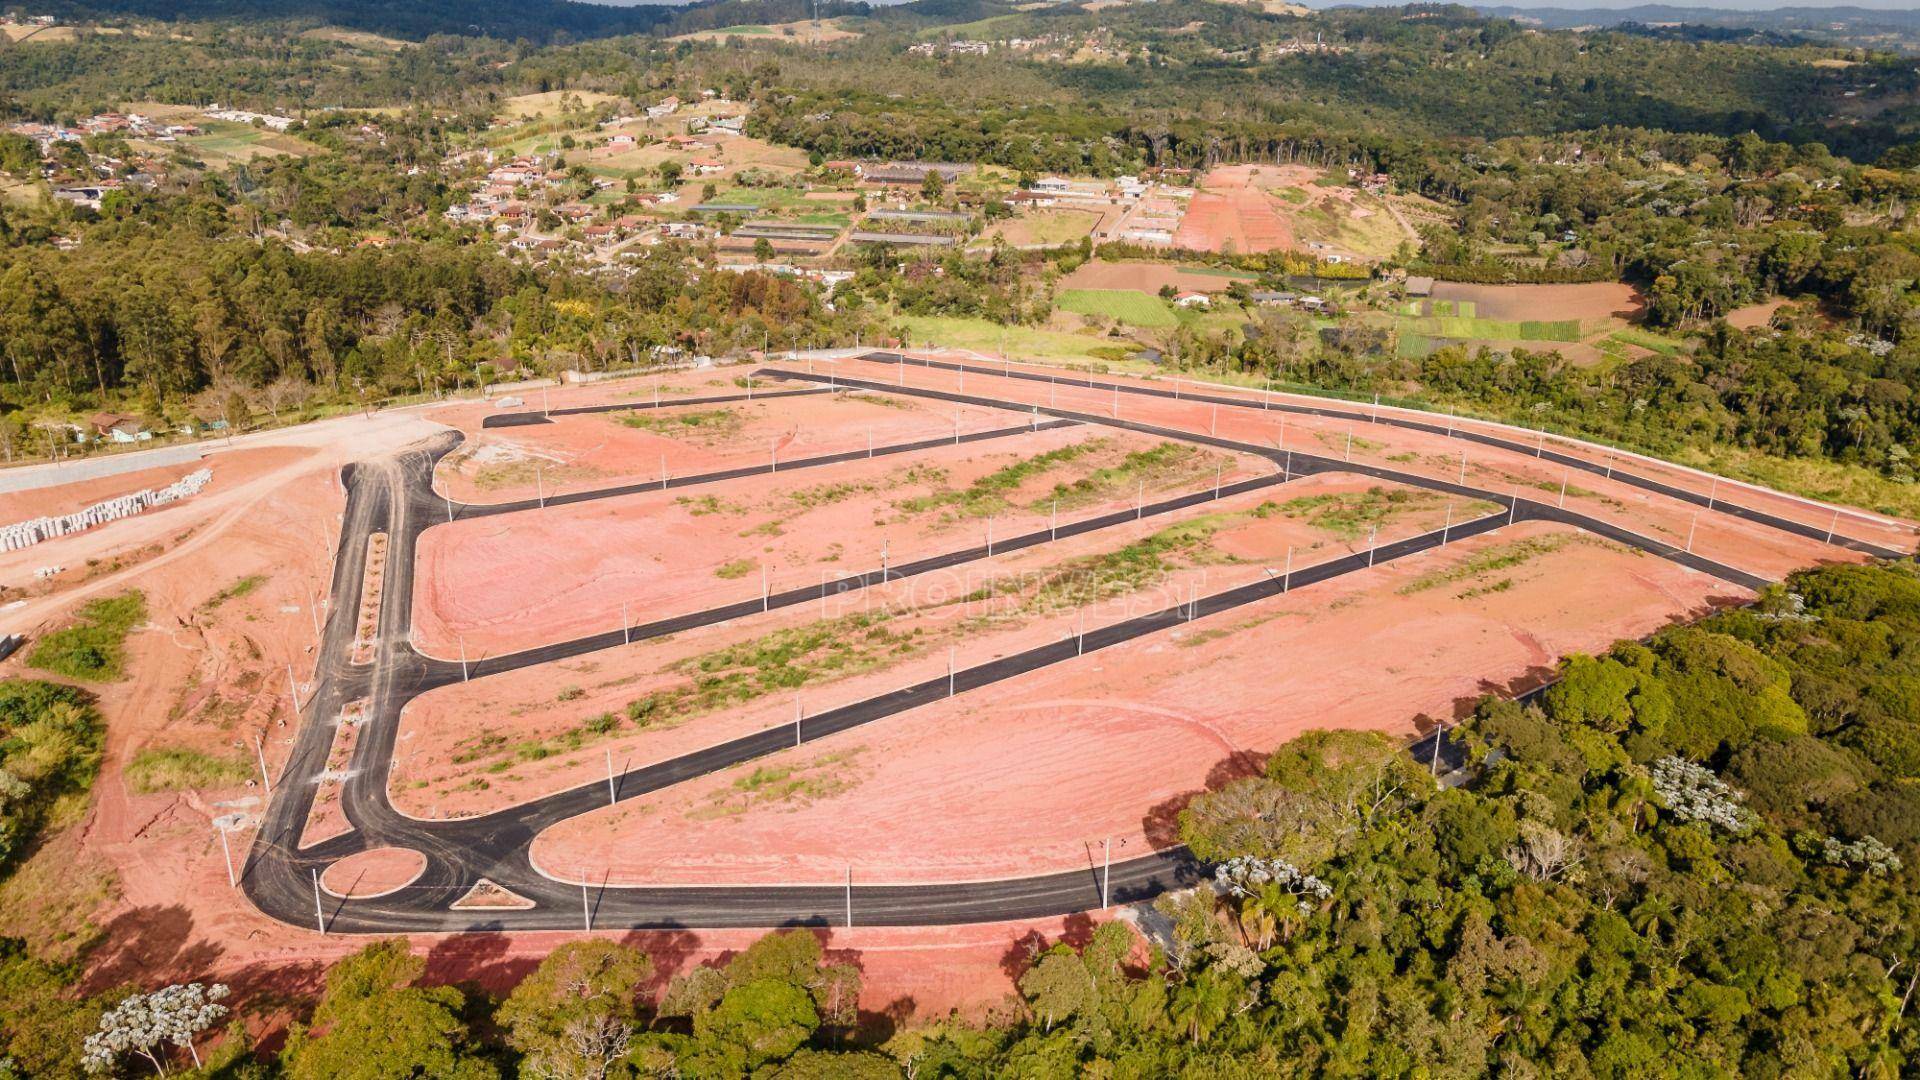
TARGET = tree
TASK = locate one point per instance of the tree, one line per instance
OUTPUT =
(372, 1023)
(145, 1024)
(933, 186)
(574, 1017)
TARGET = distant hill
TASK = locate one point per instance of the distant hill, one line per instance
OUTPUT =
(534, 20)
(1895, 29)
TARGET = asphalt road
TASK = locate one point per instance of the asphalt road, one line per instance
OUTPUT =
(1709, 501)
(395, 495)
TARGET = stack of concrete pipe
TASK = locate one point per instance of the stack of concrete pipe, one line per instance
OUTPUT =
(27, 533)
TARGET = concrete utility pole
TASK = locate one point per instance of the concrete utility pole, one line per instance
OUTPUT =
(1373, 535)
(849, 897)
(798, 715)
(1106, 869)
(1690, 529)
(319, 913)
(463, 659)
(586, 909)
(226, 849)
(949, 671)
(313, 606)
(260, 754)
(612, 793)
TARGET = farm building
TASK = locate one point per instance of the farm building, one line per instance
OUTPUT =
(862, 236)
(915, 172)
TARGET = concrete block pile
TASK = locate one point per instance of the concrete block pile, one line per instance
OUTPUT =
(27, 533)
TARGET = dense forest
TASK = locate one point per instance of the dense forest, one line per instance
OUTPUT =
(1692, 856)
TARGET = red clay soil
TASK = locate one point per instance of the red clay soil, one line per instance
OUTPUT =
(1021, 777)
(1519, 303)
(1393, 445)
(1755, 316)
(581, 452)
(448, 765)
(373, 873)
(1232, 211)
(1144, 277)
(504, 583)
(144, 871)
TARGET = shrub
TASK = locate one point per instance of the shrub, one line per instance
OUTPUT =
(93, 648)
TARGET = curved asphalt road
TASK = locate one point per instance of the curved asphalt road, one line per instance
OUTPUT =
(395, 496)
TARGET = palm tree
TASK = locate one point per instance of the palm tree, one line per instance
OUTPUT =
(1202, 1004)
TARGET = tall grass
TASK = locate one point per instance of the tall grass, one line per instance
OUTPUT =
(93, 649)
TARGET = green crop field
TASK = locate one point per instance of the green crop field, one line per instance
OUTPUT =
(1471, 329)
(1120, 305)
(1646, 339)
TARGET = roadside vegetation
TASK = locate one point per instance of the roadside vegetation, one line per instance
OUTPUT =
(178, 768)
(93, 648)
(49, 752)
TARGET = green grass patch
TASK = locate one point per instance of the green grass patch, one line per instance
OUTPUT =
(738, 568)
(711, 422)
(1120, 305)
(765, 784)
(1156, 467)
(1829, 481)
(988, 494)
(245, 586)
(1647, 339)
(1466, 328)
(93, 649)
(1492, 560)
(1021, 342)
(1349, 514)
(177, 768)
(781, 661)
